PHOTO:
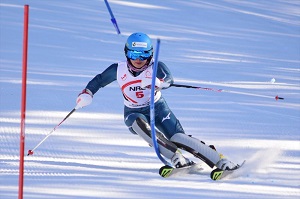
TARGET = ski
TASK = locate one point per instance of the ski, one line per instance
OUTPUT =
(168, 171)
(218, 174)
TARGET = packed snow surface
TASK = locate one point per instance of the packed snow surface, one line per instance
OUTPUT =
(241, 47)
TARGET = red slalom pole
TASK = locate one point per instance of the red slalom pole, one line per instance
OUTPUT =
(23, 101)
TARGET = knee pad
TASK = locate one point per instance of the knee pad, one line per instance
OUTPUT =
(143, 129)
(132, 117)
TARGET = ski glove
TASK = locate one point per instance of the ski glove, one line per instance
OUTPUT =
(159, 84)
(84, 98)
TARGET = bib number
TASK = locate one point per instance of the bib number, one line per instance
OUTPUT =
(139, 94)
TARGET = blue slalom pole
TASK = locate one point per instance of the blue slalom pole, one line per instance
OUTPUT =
(113, 20)
(152, 107)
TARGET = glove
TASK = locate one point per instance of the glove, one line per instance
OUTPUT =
(84, 98)
(146, 83)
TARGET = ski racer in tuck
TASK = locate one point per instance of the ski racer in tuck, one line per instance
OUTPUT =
(134, 76)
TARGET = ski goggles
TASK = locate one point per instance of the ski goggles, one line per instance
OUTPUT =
(141, 55)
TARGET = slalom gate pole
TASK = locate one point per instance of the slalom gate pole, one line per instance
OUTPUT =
(113, 19)
(221, 90)
(30, 152)
(152, 106)
(23, 101)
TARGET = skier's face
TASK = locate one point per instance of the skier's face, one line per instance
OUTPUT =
(138, 63)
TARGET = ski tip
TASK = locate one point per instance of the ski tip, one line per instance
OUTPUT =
(240, 165)
(216, 174)
(165, 171)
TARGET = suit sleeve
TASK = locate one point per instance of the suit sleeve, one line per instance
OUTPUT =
(164, 74)
(101, 80)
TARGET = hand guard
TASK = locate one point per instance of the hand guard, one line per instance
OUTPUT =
(84, 98)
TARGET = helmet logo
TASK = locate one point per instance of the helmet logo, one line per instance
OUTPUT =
(139, 44)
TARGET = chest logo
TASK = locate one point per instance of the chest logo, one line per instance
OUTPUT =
(124, 77)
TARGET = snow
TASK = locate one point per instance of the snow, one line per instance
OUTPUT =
(237, 46)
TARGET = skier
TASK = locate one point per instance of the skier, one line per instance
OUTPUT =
(134, 77)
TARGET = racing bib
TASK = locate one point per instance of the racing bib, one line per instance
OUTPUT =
(134, 95)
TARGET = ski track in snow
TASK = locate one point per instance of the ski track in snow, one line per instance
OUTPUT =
(236, 46)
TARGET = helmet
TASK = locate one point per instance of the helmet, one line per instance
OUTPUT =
(138, 46)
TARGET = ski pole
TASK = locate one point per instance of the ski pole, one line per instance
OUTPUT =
(221, 90)
(30, 152)
(196, 87)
